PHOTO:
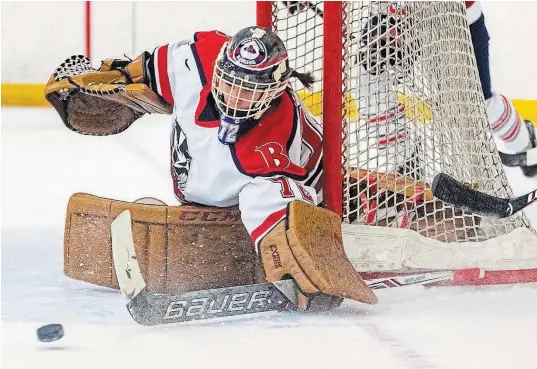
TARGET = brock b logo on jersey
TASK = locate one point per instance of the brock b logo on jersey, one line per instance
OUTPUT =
(250, 52)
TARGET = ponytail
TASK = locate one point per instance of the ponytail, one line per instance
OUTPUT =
(306, 79)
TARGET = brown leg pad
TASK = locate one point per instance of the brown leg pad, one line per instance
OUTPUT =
(279, 262)
(311, 251)
(315, 239)
(179, 248)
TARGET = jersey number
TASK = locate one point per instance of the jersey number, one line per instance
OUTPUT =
(286, 190)
(227, 132)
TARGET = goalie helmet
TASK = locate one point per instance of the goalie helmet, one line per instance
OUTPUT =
(251, 71)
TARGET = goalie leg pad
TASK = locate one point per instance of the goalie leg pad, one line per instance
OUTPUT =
(179, 248)
(307, 246)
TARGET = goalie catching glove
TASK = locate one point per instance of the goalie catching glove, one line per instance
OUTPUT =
(104, 101)
(307, 246)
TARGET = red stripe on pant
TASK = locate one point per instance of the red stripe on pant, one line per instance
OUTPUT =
(513, 133)
(505, 116)
(269, 223)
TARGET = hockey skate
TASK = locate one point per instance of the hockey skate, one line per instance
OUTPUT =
(527, 164)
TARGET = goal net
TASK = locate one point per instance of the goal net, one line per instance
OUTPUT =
(398, 93)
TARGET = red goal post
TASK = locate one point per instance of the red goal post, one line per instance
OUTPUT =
(332, 88)
(399, 98)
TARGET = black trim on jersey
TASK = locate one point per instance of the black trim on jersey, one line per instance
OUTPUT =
(309, 147)
(210, 112)
(195, 36)
(312, 124)
(315, 174)
(246, 127)
(233, 153)
(201, 72)
(269, 174)
(152, 76)
(286, 220)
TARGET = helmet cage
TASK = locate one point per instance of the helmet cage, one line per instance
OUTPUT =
(242, 93)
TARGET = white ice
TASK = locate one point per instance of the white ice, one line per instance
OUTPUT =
(43, 163)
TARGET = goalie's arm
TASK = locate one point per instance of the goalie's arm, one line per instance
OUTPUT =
(151, 69)
(142, 89)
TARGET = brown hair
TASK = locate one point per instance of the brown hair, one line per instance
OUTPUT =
(306, 79)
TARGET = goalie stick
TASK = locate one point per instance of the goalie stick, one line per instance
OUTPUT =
(453, 192)
(149, 308)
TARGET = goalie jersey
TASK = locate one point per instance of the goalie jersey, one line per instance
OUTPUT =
(276, 161)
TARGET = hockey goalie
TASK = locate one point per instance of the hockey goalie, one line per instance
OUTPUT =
(246, 167)
(240, 136)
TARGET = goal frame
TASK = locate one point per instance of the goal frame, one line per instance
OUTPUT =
(332, 102)
(411, 252)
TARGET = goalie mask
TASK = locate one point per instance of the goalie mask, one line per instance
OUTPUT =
(251, 71)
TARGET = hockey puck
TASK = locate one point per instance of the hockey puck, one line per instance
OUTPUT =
(50, 332)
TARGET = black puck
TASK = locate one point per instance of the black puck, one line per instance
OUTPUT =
(50, 332)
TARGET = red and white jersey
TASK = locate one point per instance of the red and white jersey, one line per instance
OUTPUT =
(275, 162)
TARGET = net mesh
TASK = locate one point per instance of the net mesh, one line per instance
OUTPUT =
(413, 107)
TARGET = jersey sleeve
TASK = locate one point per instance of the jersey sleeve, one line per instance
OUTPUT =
(166, 60)
(198, 36)
(161, 71)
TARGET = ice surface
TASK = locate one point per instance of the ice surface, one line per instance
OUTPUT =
(43, 163)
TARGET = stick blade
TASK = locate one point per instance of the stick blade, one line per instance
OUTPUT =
(129, 277)
(453, 192)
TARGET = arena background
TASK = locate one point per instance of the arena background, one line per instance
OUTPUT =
(49, 32)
